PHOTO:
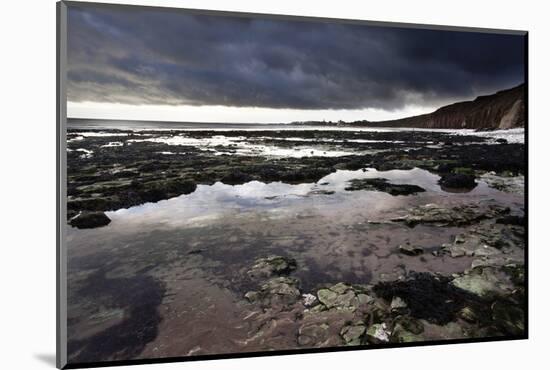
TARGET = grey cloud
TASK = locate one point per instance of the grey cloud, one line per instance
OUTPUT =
(145, 56)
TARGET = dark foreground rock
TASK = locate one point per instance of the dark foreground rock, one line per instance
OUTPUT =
(124, 193)
(90, 220)
(457, 181)
(383, 185)
(423, 306)
(485, 300)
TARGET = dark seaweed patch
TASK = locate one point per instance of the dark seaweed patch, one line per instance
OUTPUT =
(428, 296)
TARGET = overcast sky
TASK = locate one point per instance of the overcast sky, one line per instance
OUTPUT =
(141, 63)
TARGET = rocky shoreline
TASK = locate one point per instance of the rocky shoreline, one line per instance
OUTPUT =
(140, 167)
(327, 250)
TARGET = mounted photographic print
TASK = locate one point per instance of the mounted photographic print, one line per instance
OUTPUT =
(234, 184)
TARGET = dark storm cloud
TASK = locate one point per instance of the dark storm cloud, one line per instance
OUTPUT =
(144, 56)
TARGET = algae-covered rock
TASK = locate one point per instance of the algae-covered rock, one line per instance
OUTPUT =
(352, 334)
(398, 305)
(407, 330)
(283, 286)
(327, 297)
(378, 333)
(281, 290)
(410, 324)
(342, 297)
(364, 298)
(401, 335)
(468, 314)
(271, 266)
(484, 282)
(156, 190)
(455, 250)
(450, 215)
(476, 284)
(340, 288)
(428, 296)
(509, 317)
(514, 185)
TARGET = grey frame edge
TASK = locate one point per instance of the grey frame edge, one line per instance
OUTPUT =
(61, 185)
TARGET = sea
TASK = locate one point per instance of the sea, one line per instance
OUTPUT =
(515, 135)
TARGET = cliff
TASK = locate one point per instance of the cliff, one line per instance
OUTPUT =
(504, 109)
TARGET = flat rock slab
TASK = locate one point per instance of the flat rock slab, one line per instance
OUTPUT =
(485, 282)
(450, 215)
(380, 184)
